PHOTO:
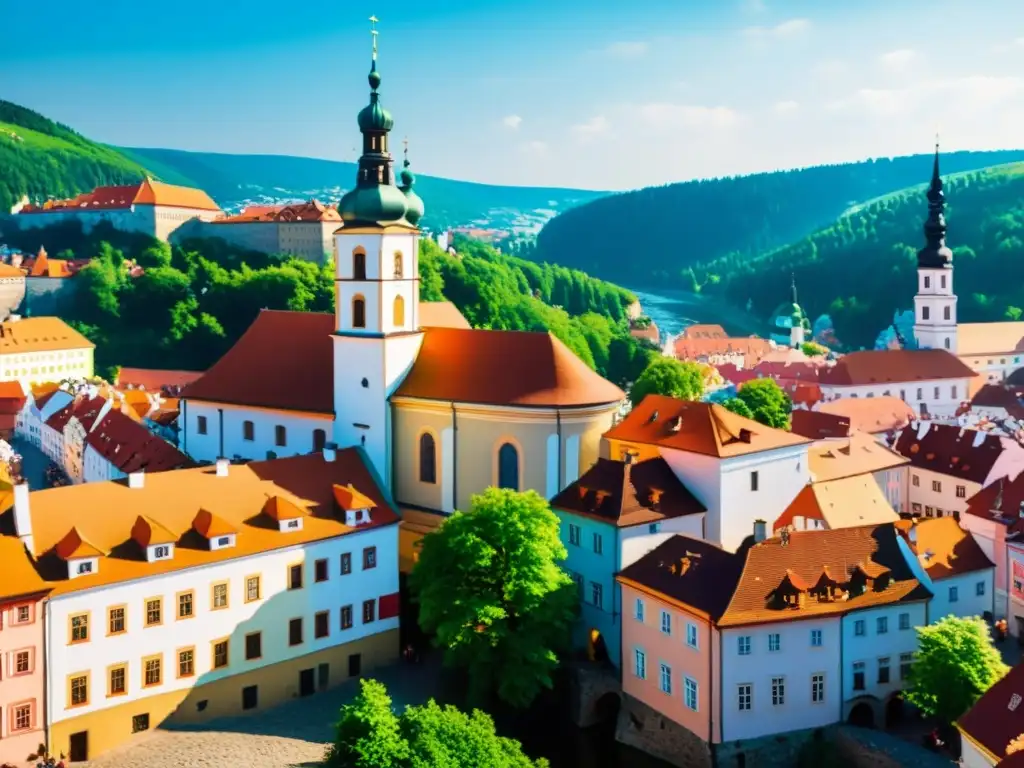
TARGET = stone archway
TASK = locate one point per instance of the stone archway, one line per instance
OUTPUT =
(862, 715)
(606, 708)
(895, 710)
(597, 650)
(589, 685)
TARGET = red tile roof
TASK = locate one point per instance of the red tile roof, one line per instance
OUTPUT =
(752, 348)
(818, 425)
(146, 192)
(997, 396)
(951, 450)
(441, 314)
(84, 408)
(130, 447)
(997, 718)
(1001, 502)
(155, 379)
(871, 414)
(703, 332)
(883, 366)
(627, 494)
(946, 550)
(309, 211)
(734, 374)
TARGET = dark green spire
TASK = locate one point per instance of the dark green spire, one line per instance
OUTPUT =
(935, 254)
(415, 203)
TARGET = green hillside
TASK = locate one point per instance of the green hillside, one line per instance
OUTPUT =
(231, 178)
(41, 158)
(862, 268)
(648, 237)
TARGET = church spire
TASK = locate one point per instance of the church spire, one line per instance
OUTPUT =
(935, 254)
(792, 287)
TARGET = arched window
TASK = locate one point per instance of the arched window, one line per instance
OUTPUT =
(358, 265)
(399, 269)
(358, 312)
(428, 458)
(319, 440)
(945, 313)
(399, 312)
(508, 467)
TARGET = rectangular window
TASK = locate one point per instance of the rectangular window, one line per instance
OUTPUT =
(743, 641)
(280, 436)
(774, 641)
(295, 632)
(117, 680)
(753, 481)
(152, 671)
(690, 693)
(954, 594)
(220, 653)
(666, 622)
(858, 675)
(598, 544)
(346, 617)
(23, 615)
(369, 558)
(115, 620)
(906, 661)
(186, 662)
(295, 576)
(346, 563)
(882, 625)
(778, 691)
(743, 696)
(185, 605)
(321, 624)
(369, 611)
(691, 635)
(596, 594)
(248, 431)
(654, 528)
(252, 588)
(961, 492)
(22, 718)
(904, 621)
(219, 598)
(320, 571)
(640, 664)
(22, 662)
(937, 486)
(915, 480)
(883, 670)
(154, 611)
(574, 534)
(638, 611)
(818, 688)
(253, 646)
(666, 679)
(79, 628)
(816, 638)
(250, 697)
(201, 425)
(78, 690)
(979, 589)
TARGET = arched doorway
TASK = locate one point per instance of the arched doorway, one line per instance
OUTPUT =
(894, 710)
(862, 715)
(606, 710)
(597, 651)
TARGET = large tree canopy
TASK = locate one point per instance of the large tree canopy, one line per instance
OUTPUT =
(670, 377)
(490, 587)
(766, 403)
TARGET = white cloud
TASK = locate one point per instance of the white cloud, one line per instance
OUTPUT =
(534, 148)
(627, 49)
(899, 60)
(785, 108)
(594, 127)
(829, 69)
(786, 29)
(512, 121)
(962, 95)
(664, 115)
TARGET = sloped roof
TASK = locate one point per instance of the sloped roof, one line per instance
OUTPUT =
(885, 366)
(842, 503)
(40, 334)
(441, 314)
(147, 531)
(130, 447)
(627, 494)
(871, 414)
(859, 454)
(698, 427)
(154, 379)
(152, 192)
(998, 396)
(818, 425)
(148, 192)
(997, 718)
(989, 338)
(944, 549)
(84, 408)
(961, 453)
(309, 211)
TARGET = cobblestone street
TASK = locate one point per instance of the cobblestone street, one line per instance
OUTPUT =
(292, 734)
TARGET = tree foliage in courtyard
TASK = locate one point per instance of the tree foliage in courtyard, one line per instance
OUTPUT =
(490, 588)
(670, 377)
(766, 402)
(955, 664)
(370, 735)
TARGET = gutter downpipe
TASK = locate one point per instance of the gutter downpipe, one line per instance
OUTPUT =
(220, 421)
(455, 459)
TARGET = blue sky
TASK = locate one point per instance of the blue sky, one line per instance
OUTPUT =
(601, 94)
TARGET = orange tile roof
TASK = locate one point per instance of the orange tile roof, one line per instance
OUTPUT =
(698, 427)
(703, 332)
(859, 454)
(349, 499)
(997, 718)
(104, 513)
(752, 348)
(946, 550)
(20, 576)
(281, 508)
(884, 366)
(6, 270)
(441, 314)
(155, 380)
(40, 334)
(309, 211)
(147, 531)
(871, 414)
(843, 503)
(74, 545)
(147, 192)
(157, 193)
(818, 425)
(209, 525)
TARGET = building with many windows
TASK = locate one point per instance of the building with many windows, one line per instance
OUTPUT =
(40, 349)
(305, 230)
(207, 592)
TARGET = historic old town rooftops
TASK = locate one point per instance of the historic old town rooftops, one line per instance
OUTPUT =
(309, 211)
(625, 493)
(860, 454)
(1001, 502)
(873, 415)
(884, 366)
(817, 425)
(843, 503)
(146, 192)
(944, 549)
(191, 504)
(951, 450)
(997, 718)
(130, 447)
(155, 380)
(698, 427)
(40, 334)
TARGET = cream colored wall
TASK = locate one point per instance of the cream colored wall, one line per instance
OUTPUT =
(40, 367)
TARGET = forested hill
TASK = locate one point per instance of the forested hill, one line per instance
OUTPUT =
(648, 237)
(862, 268)
(41, 158)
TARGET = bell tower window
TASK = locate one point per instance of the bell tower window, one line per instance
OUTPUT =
(398, 265)
(358, 265)
(399, 312)
(945, 313)
(358, 312)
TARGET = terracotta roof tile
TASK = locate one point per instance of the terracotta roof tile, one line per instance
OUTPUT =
(6, 270)
(703, 332)
(989, 338)
(40, 334)
(997, 718)
(945, 549)
(1002, 502)
(210, 526)
(309, 211)
(441, 314)
(157, 193)
(74, 545)
(349, 499)
(698, 427)
(843, 503)
(860, 454)
(155, 380)
(130, 447)
(282, 508)
(628, 494)
(752, 348)
(818, 425)
(871, 414)
(147, 531)
(962, 453)
(883, 366)
(998, 396)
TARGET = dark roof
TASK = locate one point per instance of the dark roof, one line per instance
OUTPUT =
(883, 366)
(1001, 502)
(962, 453)
(628, 494)
(818, 426)
(997, 396)
(997, 718)
(84, 408)
(690, 571)
(130, 447)
(945, 549)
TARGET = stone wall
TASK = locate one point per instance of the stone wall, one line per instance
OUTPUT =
(781, 750)
(643, 728)
(46, 296)
(860, 748)
(588, 684)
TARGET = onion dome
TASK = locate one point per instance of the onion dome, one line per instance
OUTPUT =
(382, 203)
(373, 117)
(935, 254)
(415, 208)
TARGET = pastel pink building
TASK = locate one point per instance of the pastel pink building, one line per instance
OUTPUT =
(22, 681)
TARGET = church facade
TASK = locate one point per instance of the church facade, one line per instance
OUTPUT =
(441, 410)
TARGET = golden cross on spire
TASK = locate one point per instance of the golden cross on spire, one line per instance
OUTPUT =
(373, 32)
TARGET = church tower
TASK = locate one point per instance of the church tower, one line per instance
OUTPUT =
(796, 329)
(377, 334)
(935, 302)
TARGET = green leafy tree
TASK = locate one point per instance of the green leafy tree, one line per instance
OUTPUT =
(490, 588)
(767, 403)
(368, 734)
(813, 349)
(738, 407)
(1014, 313)
(670, 377)
(955, 664)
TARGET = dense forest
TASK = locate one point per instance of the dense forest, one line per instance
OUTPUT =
(41, 158)
(645, 238)
(197, 297)
(862, 268)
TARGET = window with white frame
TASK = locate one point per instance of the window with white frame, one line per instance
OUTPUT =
(691, 635)
(818, 687)
(666, 622)
(816, 638)
(640, 664)
(666, 679)
(743, 696)
(638, 611)
(778, 691)
(743, 643)
(774, 641)
(690, 693)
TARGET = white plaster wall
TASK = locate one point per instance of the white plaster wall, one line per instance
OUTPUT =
(969, 602)
(299, 430)
(893, 483)
(702, 476)
(637, 540)
(782, 474)
(872, 646)
(945, 498)
(572, 459)
(551, 487)
(952, 392)
(270, 615)
(972, 757)
(448, 470)
(796, 661)
(40, 367)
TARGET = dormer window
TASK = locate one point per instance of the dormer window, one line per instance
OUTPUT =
(222, 542)
(286, 514)
(84, 567)
(354, 504)
(161, 552)
(216, 531)
(82, 557)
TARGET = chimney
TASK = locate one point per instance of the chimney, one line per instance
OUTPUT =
(330, 451)
(628, 458)
(22, 518)
(760, 531)
(137, 479)
(222, 467)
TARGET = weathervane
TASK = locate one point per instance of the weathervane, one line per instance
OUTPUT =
(373, 32)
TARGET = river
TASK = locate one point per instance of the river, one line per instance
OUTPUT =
(674, 310)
